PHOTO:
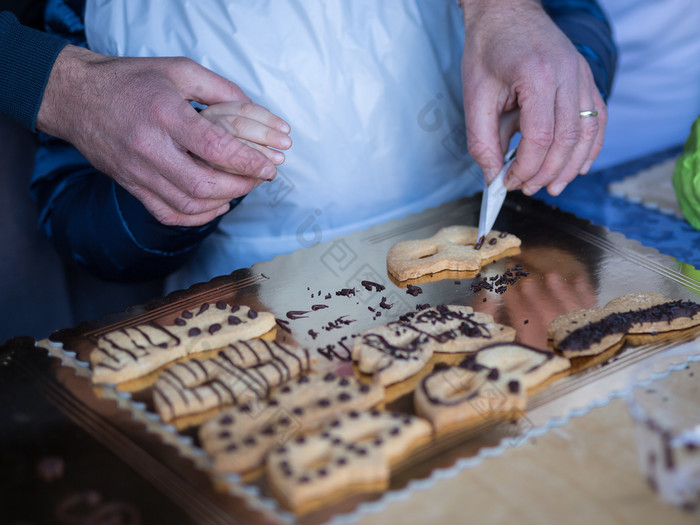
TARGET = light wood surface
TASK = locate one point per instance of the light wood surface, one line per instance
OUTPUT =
(582, 473)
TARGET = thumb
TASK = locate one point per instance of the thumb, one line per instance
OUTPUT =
(200, 84)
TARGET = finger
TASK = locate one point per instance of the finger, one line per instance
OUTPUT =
(216, 146)
(277, 157)
(567, 132)
(248, 110)
(483, 137)
(602, 119)
(191, 186)
(169, 216)
(251, 130)
(537, 130)
(578, 158)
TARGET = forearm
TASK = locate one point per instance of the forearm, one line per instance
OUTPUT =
(26, 59)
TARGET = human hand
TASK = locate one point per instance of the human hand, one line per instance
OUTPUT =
(131, 118)
(521, 73)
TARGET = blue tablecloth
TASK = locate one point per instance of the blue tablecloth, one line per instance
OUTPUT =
(587, 197)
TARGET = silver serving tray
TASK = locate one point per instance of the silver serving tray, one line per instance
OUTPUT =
(571, 264)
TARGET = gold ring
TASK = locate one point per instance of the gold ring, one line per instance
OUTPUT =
(588, 113)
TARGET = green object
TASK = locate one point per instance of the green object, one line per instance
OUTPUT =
(686, 177)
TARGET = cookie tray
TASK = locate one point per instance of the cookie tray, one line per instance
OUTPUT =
(570, 264)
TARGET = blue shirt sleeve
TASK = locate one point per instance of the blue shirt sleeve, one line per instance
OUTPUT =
(587, 26)
(26, 59)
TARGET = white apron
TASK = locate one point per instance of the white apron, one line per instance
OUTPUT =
(656, 94)
(372, 90)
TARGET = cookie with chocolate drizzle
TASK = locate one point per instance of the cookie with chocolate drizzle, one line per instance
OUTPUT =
(592, 331)
(128, 353)
(489, 385)
(398, 350)
(232, 377)
(451, 248)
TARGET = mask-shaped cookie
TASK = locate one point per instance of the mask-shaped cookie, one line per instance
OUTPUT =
(129, 353)
(195, 386)
(459, 328)
(351, 453)
(240, 437)
(451, 248)
(488, 385)
(400, 349)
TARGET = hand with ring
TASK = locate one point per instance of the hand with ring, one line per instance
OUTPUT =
(522, 74)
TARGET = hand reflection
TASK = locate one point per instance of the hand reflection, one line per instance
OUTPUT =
(558, 283)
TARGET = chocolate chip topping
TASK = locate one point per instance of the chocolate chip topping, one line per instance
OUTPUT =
(226, 420)
(194, 332)
(187, 314)
(514, 386)
(479, 243)
(180, 322)
(231, 447)
(252, 314)
(592, 333)
(221, 305)
(214, 328)
(233, 320)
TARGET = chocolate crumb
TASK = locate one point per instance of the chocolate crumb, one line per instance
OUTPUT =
(413, 290)
(385, 305)
(369, 285)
